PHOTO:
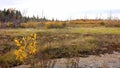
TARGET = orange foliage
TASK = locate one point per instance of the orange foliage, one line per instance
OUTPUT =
(54, 24)
(29, 25)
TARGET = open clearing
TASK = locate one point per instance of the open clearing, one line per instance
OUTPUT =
(95, 30)
(66, 42)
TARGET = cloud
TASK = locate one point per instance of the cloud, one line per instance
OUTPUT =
(62, 9)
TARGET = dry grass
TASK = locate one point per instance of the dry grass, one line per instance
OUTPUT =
(54, 24)
(67, 42)
(30, 25)
(94, 23)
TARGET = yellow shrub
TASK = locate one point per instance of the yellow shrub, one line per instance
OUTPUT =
(54, 24)
(29, 25)
(26, 48)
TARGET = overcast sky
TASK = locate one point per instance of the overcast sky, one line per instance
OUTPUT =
(65, 9)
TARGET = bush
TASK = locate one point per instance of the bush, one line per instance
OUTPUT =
(26, 49)
(29, 25)
(9, 24)
(102, 23)
(54, 24)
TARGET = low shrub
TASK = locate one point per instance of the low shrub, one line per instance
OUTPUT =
(26, 49)
(30, 25)
(54, 24)
(9, 24)
(102, 23)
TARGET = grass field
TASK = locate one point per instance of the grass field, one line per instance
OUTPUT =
(95, 30)
(59, 43)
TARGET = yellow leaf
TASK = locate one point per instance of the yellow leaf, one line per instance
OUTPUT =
(16, 41)
(34, 36)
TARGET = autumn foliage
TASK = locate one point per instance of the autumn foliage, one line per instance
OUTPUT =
(54, 24)
(26, 48)
(29, 25)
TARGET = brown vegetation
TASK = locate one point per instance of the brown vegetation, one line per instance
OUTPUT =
(30, 25)
(54, 24)
(94, 23)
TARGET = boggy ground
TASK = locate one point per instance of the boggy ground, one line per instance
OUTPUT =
(61, 43)
(103, 61)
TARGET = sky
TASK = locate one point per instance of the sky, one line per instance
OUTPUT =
(65, 9)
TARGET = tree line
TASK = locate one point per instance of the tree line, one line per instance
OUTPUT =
(16, 17)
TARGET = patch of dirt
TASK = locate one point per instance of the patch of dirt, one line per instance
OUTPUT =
(93, 61)
(102, 61)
